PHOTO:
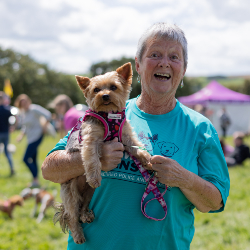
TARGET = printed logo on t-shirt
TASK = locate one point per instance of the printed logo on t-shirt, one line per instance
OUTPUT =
(127, 169)
(168, 149)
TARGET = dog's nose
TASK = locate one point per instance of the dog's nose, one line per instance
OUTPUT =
(105, 97)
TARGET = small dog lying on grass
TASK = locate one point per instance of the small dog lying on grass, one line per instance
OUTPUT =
(41, 196)
(106, 96)
(8, 206)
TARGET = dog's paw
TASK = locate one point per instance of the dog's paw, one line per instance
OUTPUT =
(94, 182)
(87, 217)
(79, 239)
(144, 158)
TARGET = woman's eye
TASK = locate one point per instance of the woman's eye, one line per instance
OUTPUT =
(96, 90)
(174, 57)
(154, 55)
(113, 87)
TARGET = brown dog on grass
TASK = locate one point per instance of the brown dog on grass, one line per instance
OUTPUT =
(106, 93)
(8, 206)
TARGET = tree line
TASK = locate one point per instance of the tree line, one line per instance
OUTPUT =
(43, 84)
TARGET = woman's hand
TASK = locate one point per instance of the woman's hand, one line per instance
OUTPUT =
(170, 172)
(203, 194)
(20, 137)
(112, 154)
(61, 166)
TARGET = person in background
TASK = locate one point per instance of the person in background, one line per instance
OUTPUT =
(224, 121)
(5, 114)
(67, 113)
(241, 151)
(72, 115)
(186, 156)
(33, 129)
(226, 148)
(61, 104)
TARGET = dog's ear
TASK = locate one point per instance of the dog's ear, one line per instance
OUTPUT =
(83, 82)
(175, 148)
(126, 72)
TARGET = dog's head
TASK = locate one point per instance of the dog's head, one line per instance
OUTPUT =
(16, 200)
(107, 92)
(28, 192)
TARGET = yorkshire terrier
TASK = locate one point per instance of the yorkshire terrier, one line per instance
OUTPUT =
(8, 206)
(106, 96)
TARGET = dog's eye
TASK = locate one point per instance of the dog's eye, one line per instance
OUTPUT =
(96, 90)
(113, 87)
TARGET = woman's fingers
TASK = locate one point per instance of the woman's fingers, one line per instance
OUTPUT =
(112, 154)
(169, 171)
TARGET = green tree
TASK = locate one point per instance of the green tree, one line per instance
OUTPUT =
(36, 80)
(103, 67)
(246, 87)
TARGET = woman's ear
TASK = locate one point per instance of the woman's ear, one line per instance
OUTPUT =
(137, 66)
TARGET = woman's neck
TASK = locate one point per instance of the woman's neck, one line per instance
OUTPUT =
(156, 105)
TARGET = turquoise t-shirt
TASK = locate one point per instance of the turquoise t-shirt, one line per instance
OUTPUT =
(185, 136)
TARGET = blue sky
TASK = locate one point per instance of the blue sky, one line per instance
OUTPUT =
(70, 35)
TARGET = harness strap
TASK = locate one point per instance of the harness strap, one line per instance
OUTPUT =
(112, 122)
(6, 205)
(151, 187)
(104, 122)
(76, 128)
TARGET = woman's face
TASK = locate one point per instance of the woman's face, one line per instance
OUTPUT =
(161, 67)
(60, 109)
(24, 104)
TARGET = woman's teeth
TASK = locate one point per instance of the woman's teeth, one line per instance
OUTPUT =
(162, 76)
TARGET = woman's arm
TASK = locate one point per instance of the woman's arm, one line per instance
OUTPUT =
(60, 166)
(203, 194)
(42, 111)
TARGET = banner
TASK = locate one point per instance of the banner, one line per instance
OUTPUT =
(8, 88)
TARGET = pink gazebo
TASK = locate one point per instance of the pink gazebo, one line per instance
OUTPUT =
(215, 97)
(214, 92)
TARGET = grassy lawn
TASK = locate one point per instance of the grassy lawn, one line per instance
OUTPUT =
(227, 230)
(23, 233)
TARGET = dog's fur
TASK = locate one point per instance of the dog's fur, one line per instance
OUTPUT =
(76, 194)
(42, 197)
(8, 206)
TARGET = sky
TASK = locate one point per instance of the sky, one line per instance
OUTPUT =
(71, 35)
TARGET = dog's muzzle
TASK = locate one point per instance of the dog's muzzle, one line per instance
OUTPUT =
(105, 97)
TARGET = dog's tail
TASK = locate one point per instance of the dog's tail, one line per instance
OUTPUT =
(60, 216)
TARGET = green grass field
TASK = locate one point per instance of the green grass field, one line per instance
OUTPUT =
(227, 230)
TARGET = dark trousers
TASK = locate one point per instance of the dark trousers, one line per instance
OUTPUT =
(224, 131)
(30, 157)
(4, 138)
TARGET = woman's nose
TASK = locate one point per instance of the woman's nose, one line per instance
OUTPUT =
(164, 62)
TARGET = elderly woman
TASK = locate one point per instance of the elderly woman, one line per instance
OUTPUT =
(31, 115)
(187, 157)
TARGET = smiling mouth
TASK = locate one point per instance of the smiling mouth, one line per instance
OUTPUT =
(162, 76)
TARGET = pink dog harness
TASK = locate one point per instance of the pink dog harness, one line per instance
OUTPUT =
(113, 124)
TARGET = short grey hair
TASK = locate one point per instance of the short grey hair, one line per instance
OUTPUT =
(164, 31)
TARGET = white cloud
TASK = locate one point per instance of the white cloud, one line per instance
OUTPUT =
(70, 35)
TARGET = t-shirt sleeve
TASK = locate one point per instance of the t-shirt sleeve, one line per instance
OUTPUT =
(212, 165)
(40, 111)
(61, 144)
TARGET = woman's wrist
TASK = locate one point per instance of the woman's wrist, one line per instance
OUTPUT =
(188, 180)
